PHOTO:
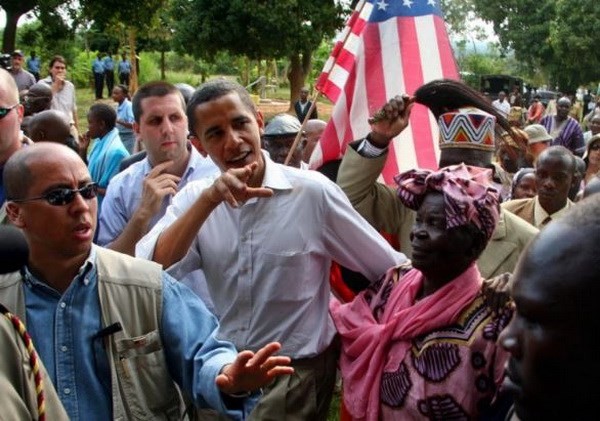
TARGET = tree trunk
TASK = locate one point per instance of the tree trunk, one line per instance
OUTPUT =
(133, 80)
(10, 31)
(162, 66)
(297, 75)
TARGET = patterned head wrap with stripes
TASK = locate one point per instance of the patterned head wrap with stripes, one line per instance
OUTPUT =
(468, 194)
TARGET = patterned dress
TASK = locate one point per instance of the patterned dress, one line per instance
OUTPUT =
(449, 373)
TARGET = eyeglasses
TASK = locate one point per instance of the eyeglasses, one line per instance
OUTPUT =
(64, 196)
(4, 111)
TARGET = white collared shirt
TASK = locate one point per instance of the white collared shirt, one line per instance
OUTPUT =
(267, 262)
(539, 214)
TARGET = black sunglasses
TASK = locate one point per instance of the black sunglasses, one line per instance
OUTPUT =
(4, 111)
(64, 196)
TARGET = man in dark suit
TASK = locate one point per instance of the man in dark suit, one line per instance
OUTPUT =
(302, 106)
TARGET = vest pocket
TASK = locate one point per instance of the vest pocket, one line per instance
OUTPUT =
(147, 390)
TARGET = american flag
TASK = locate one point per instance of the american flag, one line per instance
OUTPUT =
(388, 47)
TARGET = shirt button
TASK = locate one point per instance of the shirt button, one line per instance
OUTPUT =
(86, 281)
(67, 390)
(63, 304)
(64, 348)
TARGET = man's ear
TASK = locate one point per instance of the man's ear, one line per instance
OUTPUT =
(260, 120)
(13, 211)
(198, 145)
(136, 127)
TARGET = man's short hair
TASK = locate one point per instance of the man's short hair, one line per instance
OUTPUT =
(105, 113)
(212, 90)
(158, 88)
(60, 59)
(559, 151)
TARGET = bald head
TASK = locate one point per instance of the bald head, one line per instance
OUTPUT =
(313, 129)
(18, 174)
(9, 93)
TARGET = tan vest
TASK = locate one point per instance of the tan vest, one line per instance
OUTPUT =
(130, 292)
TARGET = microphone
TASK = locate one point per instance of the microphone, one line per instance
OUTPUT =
(14, 250)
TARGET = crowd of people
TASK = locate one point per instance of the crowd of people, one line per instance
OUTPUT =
(182, 258)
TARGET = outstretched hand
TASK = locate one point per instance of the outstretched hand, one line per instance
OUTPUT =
(232, 186)
(251, 371)
(390, 120)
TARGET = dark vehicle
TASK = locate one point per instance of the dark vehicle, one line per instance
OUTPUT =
(493, 84)
(546, 96)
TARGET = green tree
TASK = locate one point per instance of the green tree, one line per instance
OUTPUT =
(14, 9)
(574, 39)
(265, 29)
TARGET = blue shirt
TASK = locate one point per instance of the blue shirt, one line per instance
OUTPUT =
(97, 66)
(104, 159)
(109, 64)
(124, 66)
(125, 113)
(124, 194)
(62, 327)
(33, 64)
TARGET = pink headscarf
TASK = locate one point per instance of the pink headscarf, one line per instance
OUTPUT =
(468, 194)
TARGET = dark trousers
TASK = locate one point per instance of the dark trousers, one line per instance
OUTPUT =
(124, 78)
(110, 81)
(99, 84)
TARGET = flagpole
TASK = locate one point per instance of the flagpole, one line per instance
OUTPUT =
(288, 158)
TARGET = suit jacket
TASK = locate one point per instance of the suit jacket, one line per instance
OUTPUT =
(380, 206)
(525, 208)
(302, 114)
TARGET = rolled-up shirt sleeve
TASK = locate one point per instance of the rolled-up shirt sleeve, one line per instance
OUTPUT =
(194, 355)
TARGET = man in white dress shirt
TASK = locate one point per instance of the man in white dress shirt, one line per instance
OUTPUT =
(265, 236)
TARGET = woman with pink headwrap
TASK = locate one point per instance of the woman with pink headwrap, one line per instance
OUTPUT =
(421, 342)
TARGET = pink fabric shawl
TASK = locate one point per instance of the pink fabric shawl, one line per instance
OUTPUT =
(367, 342)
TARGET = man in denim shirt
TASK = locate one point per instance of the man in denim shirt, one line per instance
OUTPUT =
(107, 356)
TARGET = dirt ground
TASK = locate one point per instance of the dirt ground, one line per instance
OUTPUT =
(271, 107)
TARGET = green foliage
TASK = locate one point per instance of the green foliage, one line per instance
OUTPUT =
(80, 70)
(266, 29)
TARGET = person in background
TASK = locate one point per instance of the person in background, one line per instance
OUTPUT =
(98, 71)
(125, 119)
(535, 112)
(107, 151)
(594, 128)
(37, 99)
(563, 128)
(459, 109)
(554, 172)
(52, 126)
(23, 78)
(302, 106)
(109, 73)
(124, 70)
(523, 185)
(538, 139)
(34, 65)
(279, 137)
(501, 104)
(591, 159)
(63, 91)
(313, 129)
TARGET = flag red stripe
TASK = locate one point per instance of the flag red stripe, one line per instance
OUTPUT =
(413, 78)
